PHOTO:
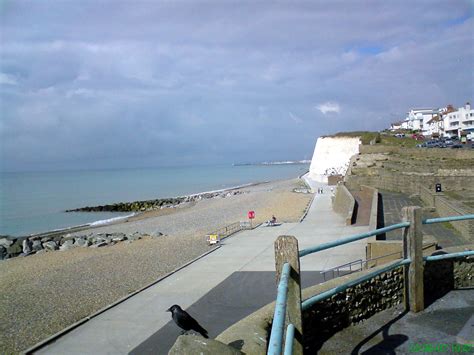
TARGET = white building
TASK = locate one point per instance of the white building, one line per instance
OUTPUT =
(396, 126)
(435, 126)
(417, 119)
(459, 122)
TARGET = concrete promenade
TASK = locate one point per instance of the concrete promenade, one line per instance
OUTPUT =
(248, 255)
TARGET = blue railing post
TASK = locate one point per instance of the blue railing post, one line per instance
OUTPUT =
(275, 344)
(286, 251)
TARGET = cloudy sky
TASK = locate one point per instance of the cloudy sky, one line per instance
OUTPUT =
(107, 84)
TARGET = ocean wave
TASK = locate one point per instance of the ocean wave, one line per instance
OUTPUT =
(110, 220)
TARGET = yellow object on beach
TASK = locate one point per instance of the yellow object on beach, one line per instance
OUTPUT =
(213, 238)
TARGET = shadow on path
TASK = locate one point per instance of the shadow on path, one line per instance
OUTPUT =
(389, 342)
(241, 294)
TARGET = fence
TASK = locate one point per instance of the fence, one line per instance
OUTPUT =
(230, 229)
(289, 307)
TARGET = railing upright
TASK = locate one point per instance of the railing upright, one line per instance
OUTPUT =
(413, 250)
(286, 251)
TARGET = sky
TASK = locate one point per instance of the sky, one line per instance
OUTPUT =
(125, 84)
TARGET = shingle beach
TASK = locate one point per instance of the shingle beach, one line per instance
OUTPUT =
(42, 294)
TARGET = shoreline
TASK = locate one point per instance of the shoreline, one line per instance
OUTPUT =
(134, 216)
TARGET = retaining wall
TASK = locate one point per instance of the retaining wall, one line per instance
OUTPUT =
(344, 203)
(407, 182)
(424, 153)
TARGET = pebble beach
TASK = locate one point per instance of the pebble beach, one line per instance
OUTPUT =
(42, 294)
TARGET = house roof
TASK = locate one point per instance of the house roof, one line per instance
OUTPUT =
(397, 123)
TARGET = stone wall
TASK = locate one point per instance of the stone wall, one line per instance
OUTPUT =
(352, 306)
(344, 203)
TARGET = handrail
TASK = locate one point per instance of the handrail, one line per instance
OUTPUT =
(448, 219)
(276, 335)
(352, 238)
(331, 292)
(339, 267)
(448, 256)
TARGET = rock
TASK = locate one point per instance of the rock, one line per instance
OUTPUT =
(46, 239)
(103, 238)
(119, 238)
(67, 244)
(134, 236)
(16, 248)
(192, 344)
(3, 252)
(51, 245)
(156, 234)
(66, 237)
(26, 246)
(42, 251)
(26, 254)
(4, 242)
(36, 245)
(98, 245)
(82, 242)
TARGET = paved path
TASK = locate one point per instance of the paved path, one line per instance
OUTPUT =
(393, 202)
(132, 323)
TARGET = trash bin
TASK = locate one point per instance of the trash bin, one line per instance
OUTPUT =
(438, 187)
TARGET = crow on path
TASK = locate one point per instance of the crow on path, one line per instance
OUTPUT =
(185, 321)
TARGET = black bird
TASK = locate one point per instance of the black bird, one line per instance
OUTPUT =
(185, 321)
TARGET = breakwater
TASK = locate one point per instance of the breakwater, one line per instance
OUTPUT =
(25, 246)
(150, 205)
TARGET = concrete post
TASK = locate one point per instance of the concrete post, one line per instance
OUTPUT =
(413, 249)
(286, 251)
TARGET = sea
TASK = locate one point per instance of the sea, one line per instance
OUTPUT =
(35, 202)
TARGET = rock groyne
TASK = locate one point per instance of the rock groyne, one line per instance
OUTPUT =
(150, 205)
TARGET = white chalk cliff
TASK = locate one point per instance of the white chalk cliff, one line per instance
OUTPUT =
(331, 157)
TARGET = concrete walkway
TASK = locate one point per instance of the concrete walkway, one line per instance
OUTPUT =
(122, 328)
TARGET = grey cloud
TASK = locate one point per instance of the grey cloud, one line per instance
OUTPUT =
(144, 83)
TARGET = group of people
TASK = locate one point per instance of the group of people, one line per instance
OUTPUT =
(320, 190)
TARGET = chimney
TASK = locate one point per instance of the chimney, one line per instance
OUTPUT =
(468, 106)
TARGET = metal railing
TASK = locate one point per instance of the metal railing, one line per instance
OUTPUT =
(413, 258)
(337, 269)
(228, 230)
(347, 268)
